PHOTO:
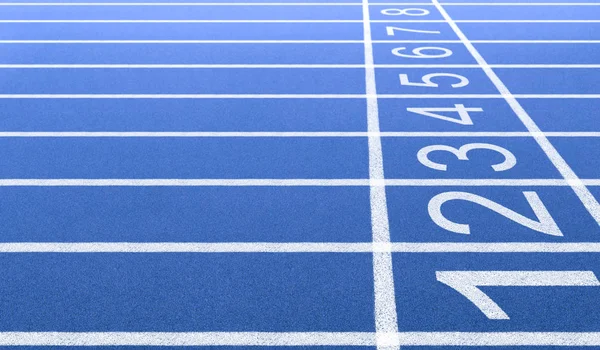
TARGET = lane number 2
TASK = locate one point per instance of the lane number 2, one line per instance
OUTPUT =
(544, 224)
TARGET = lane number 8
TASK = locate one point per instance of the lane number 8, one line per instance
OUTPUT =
(407, 12)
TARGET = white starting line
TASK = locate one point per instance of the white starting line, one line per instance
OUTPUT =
(299, 339)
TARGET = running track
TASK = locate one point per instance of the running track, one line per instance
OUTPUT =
(423, 175)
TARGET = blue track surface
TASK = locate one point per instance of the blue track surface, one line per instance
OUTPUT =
(329, 174)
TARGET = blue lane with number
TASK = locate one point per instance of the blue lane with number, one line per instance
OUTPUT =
(484, 115)
(540, 309)
(412, 31)
(411, 221)
(399, 157)
(279, 224)
(408, 53)
(447, 81)
(390, 12)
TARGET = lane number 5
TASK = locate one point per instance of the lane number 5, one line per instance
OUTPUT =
(427, 80)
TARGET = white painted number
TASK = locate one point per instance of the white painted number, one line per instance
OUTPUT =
(463, 113)
(418, 52)
(390, 30)
(407, 12)
(427, 80)
(467, 283)
(545, 223)
(423, 155)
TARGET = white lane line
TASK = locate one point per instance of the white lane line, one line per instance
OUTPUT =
(289, 21)
(287, 182)
(489, 41)
(527, 21)
(286, 66)
(586, 197)
(179, 21)
(297, 339)
(483, 182)
(75, 4)
(572, 134)
(128, 42)
(556, 96)
(186, 339)
(386, 319)
(267, 134)
(545, 66)
(496, 247)
(179, 96)
(181, 182)
(293, 4)
(292, 96)
(181, 42)
(176, 66)
(294, 247)
(182, 4)
(520, 4)
(535, 41)
(185, 247)
(185, 134)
